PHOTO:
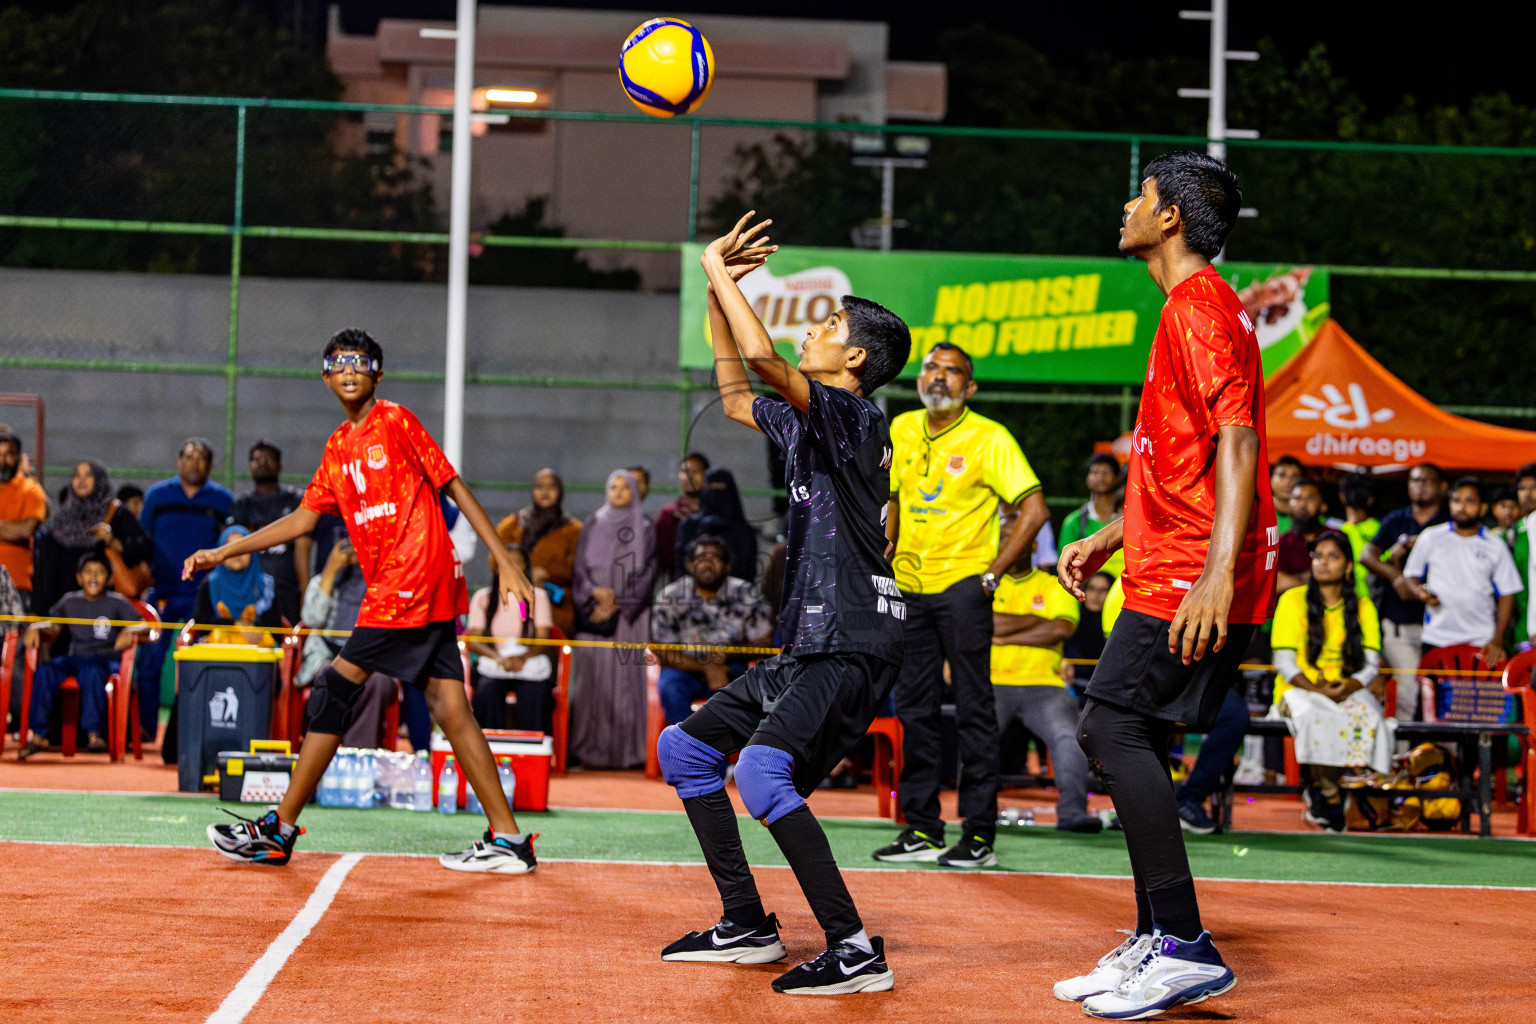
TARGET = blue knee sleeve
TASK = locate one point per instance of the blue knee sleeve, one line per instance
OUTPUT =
(692, 767)
(763, 780)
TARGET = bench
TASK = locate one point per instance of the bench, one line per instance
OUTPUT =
(1474, 742)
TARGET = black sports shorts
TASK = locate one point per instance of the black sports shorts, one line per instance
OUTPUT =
(814, 708)
(1136, 671)
(412, 655)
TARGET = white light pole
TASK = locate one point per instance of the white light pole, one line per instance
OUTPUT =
(458, 235)
(1216, 122)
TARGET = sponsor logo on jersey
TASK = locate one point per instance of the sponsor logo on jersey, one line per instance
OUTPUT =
(372, 512)
(376, 457)
(956, 465)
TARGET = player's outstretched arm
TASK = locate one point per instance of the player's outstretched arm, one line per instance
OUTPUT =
(298, 523)
(1201, 621)
(743, 246)
(514, 585)
(730, 375)
(1083, 558)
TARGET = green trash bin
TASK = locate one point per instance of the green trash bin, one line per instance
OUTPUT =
(226, 701)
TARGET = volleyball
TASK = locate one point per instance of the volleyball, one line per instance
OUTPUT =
(666, 67)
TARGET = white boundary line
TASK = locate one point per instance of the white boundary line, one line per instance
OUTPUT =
(861, 870)
(251, 987)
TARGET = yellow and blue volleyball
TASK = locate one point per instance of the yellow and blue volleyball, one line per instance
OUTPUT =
(666, 67)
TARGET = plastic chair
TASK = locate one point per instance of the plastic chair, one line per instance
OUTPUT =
(123, 691)
(1518, 682)
(288, 705)
(655, 717)
(560, 719)
(886, 771)
(1441, 662)
(8, 644)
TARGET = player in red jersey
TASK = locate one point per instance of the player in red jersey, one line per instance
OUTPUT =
(382, 474)
(1200, 545)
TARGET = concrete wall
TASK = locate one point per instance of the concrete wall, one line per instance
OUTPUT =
(138, 419)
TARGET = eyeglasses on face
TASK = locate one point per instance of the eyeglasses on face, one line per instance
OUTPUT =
(341, 361)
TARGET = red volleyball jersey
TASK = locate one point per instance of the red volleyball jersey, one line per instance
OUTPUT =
(382, 478)
(1203, 374)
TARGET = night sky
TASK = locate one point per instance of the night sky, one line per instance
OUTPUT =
(1392, 53)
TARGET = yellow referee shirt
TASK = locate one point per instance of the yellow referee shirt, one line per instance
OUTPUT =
(1037, 593)
(947, 487)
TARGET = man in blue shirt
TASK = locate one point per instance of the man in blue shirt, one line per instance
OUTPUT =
(181, 515)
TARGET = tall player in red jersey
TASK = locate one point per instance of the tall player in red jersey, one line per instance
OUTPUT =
(1200, 545)
(382, 474)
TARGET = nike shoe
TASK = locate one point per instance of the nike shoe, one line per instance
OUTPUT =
(254, 840)
(911, 845)
(1110, 971)
(842, 969)
(727, 943)
(494, 855)
(1174, 973)
(970, 852)
(1194, 819)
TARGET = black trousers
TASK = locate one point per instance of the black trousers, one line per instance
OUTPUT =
(1128, 751)
(533, 711)
(955, 626)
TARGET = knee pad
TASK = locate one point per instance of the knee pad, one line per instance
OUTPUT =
(333, 702)
(763, 778)
(690, 766)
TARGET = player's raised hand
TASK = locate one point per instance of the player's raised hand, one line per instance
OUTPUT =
(742, 247)
(1201, 621)
(197, 561)
(515, 588)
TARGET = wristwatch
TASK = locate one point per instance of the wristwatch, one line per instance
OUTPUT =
(989, 582)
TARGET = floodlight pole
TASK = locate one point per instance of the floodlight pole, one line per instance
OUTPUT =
(1216, 93)
(458, 234)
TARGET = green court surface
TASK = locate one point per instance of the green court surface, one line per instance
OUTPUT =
(607, 835)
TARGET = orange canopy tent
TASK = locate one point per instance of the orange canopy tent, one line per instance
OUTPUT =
(1332, 404)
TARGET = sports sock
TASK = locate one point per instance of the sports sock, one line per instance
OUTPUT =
(511, 837)
(714, 822)
(286, 830)
(805, 846)
(860, 939)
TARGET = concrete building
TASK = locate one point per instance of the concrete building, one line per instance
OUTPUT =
(611, 180)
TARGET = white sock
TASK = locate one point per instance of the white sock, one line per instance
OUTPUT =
(511, 837)
(860, 939)
(284, 829)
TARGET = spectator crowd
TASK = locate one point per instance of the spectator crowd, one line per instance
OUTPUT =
(1359, 601)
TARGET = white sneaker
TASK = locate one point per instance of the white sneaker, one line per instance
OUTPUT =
(1111, 971)
(1174, 973)
(494, 855)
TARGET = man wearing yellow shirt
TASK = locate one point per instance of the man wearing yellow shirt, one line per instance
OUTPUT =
(1032, 616)
(951, 469)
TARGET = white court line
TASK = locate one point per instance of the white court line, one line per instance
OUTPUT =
(246, 994)
(1004, 872)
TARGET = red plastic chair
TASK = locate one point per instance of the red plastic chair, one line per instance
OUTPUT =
(1517, 681)
(886, 771)
(8, 644)
(288, 704)
(560, 719)
(123, 692)
(1442, 662)
(655, 717)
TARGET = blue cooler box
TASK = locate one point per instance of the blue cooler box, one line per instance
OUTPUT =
(226, 693)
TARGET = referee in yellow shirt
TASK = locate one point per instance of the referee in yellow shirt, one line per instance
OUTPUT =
(952, 468)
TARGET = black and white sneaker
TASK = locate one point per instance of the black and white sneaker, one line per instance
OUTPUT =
(494, 855)
(969, 852)
(1194, 819)
(727, 943)
(910, 846)
(842, 969)
(254, 840)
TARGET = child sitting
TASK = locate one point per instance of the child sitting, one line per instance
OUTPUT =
(92, 646)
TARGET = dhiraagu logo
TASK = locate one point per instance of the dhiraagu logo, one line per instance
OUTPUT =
(1343, 413)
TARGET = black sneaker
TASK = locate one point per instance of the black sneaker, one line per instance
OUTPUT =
(842, 969)
(1089, 824)
(911, 845)
(494, 855)
(970, 852)
(1333, 817)
(1194, 819)
(1314, 807)
(254, 840)
(727, 943)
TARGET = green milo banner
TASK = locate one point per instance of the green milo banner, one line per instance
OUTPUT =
(1021, 318)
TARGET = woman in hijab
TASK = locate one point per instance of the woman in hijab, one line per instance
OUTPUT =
(615, 567)
(88, 518)
(238, 594)
(721, 515)
(548, 536)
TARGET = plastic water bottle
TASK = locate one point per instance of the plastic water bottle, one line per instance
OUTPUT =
(330, 783)
(367, 779)
(508, 780)
(448, 788)
(421, 783)
(472, 801)
(348, 758)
